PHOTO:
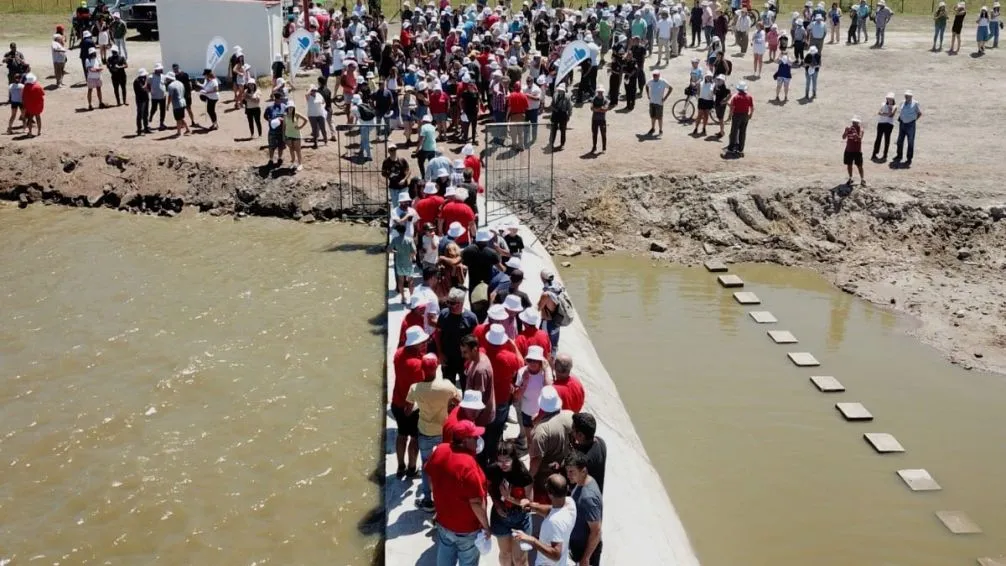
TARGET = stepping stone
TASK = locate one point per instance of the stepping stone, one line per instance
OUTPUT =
(883, 442)
(763, 317)
(782, 337)
(958, 522)
(854, 411)
(715, 266)
(827, 384)
(919, 480)
(730, 281)
(803, 359)
(747, 298)
(989, 561)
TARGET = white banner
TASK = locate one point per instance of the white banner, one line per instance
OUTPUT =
(215, 52)
(300, 44)
(575, 53)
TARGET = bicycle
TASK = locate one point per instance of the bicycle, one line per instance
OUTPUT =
(683, 110)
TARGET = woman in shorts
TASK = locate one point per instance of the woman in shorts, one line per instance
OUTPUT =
(758, 47)
(293, 123)
(408, 112)
(782, 77)
(721, 96)
(15, 92)
(706, 103)
(509, 483)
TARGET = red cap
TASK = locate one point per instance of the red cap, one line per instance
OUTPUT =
(430, 363)
(467, 429)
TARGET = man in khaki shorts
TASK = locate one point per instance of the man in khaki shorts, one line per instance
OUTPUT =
(657, 91)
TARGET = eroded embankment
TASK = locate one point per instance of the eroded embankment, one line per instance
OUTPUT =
(939, 257)
(165, 184)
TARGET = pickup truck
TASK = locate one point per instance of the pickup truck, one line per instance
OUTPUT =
(140, 15)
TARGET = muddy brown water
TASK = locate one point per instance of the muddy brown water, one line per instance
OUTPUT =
(192, 390)
(759, 464)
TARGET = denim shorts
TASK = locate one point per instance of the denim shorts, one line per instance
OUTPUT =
(503, 526)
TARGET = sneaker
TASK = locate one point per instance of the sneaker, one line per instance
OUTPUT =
(650, 133)
(862, 182)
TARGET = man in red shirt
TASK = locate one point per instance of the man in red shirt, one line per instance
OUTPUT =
(459, 495)
(531, 335)
(741, 111)
(438, 108)
(517, 105)
(568, 387)
(428, 207)
(472, 161)
(455, 210)
(408, 364)
(853, 136)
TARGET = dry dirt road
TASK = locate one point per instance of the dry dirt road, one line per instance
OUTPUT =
(927, 241)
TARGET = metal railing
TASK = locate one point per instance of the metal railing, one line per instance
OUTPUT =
(519, 169)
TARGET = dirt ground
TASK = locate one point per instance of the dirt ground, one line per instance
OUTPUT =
(926, 241)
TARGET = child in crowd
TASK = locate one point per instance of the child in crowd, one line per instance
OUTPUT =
(404, 249)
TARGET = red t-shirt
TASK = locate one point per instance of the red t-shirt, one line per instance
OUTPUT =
(475, 164)
(742, 103)
(457, 211)
(572, 394)
(408, 370)
(438, 102)
(533, 337)
(456, 478)
(348, 82)
(452, 419)
(428, 208)
(505, 365)
(405, 38)
(517, 102)
(853, 140)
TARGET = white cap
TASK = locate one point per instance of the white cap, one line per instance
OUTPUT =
(404, 197)
(742, 86)
(430, 189)
(512, 303)
(548, 400)
(455, 230)
(496, 335)
(468, 150)
(536, 354)
(498, 313)
(472, 400)
(483, 235)
(415, 335)
(530, 317)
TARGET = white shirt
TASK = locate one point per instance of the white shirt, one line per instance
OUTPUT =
(886, 108)
(337, 55)
(58, 52)
(532, 390)
(557, 527)
(664, 28)
(211, 89)
(657, 88)
(743, 23)
(430, 248)
(676, 18)
(94, 63)
(410, 226)
(533, 103)
(315, 106)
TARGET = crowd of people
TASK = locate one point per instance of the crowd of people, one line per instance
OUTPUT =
(476, 352)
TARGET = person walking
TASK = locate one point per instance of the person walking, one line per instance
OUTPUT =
(742, 27)
(882, 18)
(562, 109)
(885, 125)
(983, 34)
(853, 136)
(908, 116)
(741, 112)
(142, 98)
(598, 121)
(117, 66)
(939, 25)
(432, 397)
(657, 91)
(957, 27)
(811, 68)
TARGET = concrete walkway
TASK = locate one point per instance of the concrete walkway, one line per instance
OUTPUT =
(640, 524)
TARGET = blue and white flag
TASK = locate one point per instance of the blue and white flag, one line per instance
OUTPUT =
(215, 52)
(300, 44)
(575, 53)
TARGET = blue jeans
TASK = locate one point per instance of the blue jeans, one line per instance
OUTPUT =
(365, 140)
(426, 446)
(906, 130)
(994, 33)
(938, 33)
(811, 84)
(456, 549)
(532, 116)
(553, 334)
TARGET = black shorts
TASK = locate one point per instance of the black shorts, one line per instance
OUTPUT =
(408, 425)
(721, 109)
(15, 105)
(178, 113)
(276, 140)
(705, 104)
(853, 158)
(656, 111)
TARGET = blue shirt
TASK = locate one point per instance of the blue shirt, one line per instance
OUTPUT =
(909, 112)
(275, 111)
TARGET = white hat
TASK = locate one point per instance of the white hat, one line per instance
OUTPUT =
(530, 317)
(86, 34)
(908, 93)
(458, 164)
(141, 73)
(158, 67)
(536, 354)
(115, 15)
(30, 79)
(275, 123)
(169, 76)
(357, 99)
(812, 50)
(856, 119)
(427, 118)
(513, 262)
(414, 302)
(115, 49)
(56, 36)
(237, 48)
(92, 50)
(548, 400)
(403, 196)
(496, 335)
(430, 189)
(513, 304)
(498, 312)
(450, 192)
(455, 230)
(415, 335)
(473, 400)
(468, 150)
(483, 235)
(742, 86)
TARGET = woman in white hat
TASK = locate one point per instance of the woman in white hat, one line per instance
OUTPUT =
(293, 123)
(983, 21)
(939, 24)
(811, 68)
(530, 380)
(759, 44)
(885, 125)
(995, 24)
(94, 69)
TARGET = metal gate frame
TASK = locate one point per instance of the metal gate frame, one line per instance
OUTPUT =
(517, 181)
(363, 190)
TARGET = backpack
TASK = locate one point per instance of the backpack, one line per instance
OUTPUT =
(563, 313)
(366, 112)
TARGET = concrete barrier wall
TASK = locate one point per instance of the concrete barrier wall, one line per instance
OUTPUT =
(640, 525)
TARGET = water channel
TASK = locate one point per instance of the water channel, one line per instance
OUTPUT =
(192, 390)
(198, 390)
(760, 466)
